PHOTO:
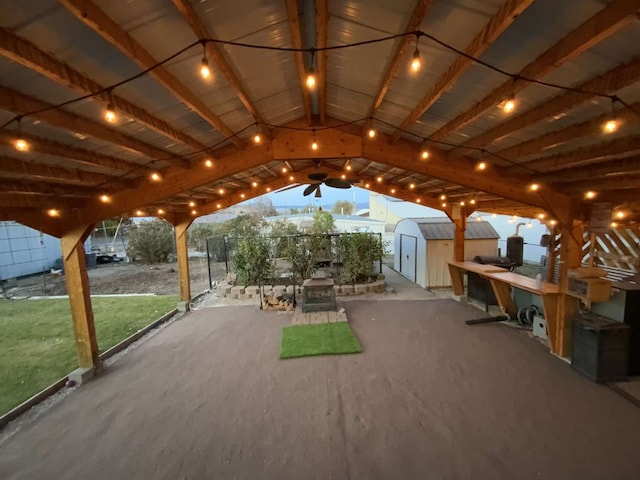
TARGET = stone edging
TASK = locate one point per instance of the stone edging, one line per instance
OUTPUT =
(226, 290)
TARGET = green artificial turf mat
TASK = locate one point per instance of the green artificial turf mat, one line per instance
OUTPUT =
(320, 339)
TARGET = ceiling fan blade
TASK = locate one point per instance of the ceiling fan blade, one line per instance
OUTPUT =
(337, 183)
(310, 189)
(318, 192)
(318, 176)
(288, 187)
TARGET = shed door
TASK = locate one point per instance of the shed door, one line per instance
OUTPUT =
(408, 246)
(439, 252)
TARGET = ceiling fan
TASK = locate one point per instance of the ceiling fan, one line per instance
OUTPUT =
(316, 179)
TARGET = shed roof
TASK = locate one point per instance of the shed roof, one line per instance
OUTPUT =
(433, 228)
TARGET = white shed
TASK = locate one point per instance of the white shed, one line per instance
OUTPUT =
(425, 245)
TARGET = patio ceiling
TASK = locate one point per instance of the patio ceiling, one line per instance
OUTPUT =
(197, 135)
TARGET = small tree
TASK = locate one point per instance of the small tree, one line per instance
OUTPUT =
(198, 234)
(343, 207)
(252, 259)
(323, 223)
(242, 226)
(358, 252)
(281, 230)
(300, 252)
(150, 242)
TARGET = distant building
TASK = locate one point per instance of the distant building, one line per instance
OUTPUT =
(344, 223)
(391, 210)
(25, 251)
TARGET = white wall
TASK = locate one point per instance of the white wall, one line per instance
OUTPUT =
(24, 251)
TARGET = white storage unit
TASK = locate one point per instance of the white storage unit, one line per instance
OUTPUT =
(423, 246)
(25, 251)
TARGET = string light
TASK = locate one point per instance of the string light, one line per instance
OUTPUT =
(160, 211)
(443, 197)
(192, 203)
(257, 138)
(472, 201)
(208, 163)
(268, 189)
(552, 222)
(424, 154)
(509, 104)
(291, 178)
(371, 133)
(311, 74)
(620, 214)
(462, 204)
(284, 169)
(418, 200)
(242, 195)
(534, 187)
(221, 191)
(479, 218)
(481, 165)
(194, 212)
(541, 216)
(343, 176)
(393, 190)
(348, 167)
(155, 176)
(590, 195)
(416, 63)
(379, 179)
(613, 224)
(412, 186)
(218, 206)
(366, 185)
(314, 144)
(444, 204)
(20, 143)
(612, 124)
(110, 112)
(205, 71)
(254, 184)
(53, 212)
(139, 213)
(105, 198)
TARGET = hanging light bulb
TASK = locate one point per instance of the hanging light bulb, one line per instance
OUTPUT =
(371, 133)
(205, 71)
(105, 198)
(424, 154)
(418, 200)
(110, 113)
(412, 186)
(218, 206)
(590, 195)
(509, 105)
(393, 190)
(139, 213)
(481, 165)
(20, 143)
(416, 63)
(348, 167)
(257, 138)
(194, 212)
(443, 197)
(534, 187)
(444, 204)
(472, 201)
(379, 179)
(314, 144)
(192, 203)
(208, 163)
(160, 211)
(155, 176)
(254, 184)
(221, 191)
(242, 195)
(311, 79)
(612, 123)
(53, 212)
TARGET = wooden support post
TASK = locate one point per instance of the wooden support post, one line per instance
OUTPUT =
(458, 237)
(182, 251)
(570, 257)
(75, 270)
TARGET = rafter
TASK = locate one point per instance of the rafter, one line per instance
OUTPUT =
(418, 14)
(84, 158)
(615, 16)
(626, 183)
(216, 54)
(609, 82)
(626, 116)
(322, 16)
(28, 55)
(19, 103)
(578, 157)
(296, 41)
(618, 168)
(46, 189)
(95, 18)
(14, 168)
(508, 12)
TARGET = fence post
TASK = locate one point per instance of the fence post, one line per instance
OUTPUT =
(206, 244)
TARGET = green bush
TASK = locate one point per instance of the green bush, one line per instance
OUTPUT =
(300, 251)
(358, 252)
(252, 259)
(151, 242)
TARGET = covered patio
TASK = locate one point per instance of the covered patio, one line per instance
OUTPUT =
(176, 109)
(207, 397)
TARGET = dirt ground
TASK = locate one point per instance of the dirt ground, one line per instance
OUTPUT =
(121, 278)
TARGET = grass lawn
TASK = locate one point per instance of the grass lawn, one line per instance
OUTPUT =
(37, 345)
(321, 339)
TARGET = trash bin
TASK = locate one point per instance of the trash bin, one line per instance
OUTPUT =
(91, 259)
(600, 348)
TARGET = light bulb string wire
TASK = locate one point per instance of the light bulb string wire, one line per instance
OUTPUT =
(312, 50)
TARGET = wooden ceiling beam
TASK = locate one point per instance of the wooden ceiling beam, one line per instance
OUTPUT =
(417, 16)
(505, 16)
(611, 19)
(95, 18)
(601, 184)
(218, 57)
(575, 158)
(38, 202)
(15, 168)
(322, 17)
(604, 169)
(609, 82)
(22, 104)
(25, 53)
(23, 187)
(84, 158)
(296, 41)
(626, 116)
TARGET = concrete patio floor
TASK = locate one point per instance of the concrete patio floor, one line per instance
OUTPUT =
(429, 398)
